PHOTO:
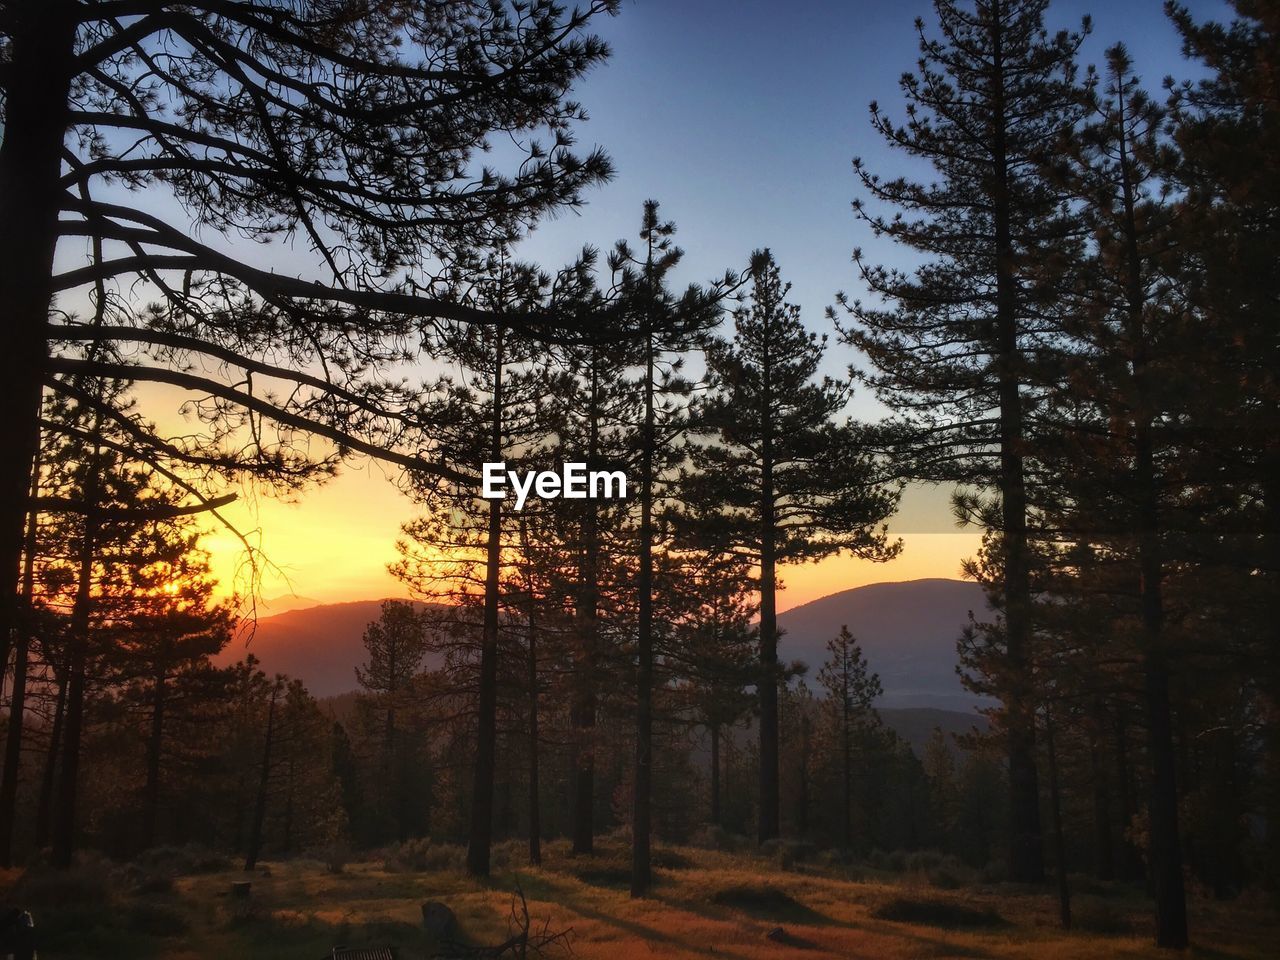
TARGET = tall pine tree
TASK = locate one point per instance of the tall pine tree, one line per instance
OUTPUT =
(778, 477)
(952, 347)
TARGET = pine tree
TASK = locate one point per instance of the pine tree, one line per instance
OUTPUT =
(778, 477)
(1123, 416)
(461, 550)
(952, 351)
(667, 327)
(851, 690)
(396, 644)
(1227, 130)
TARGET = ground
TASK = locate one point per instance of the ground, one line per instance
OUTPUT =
(704, 904)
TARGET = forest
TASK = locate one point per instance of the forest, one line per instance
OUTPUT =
(581, 721)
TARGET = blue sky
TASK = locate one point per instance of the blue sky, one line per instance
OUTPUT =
(742, 117)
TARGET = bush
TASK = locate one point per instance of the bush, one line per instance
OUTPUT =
(423, 856)
(788, 853)
(667, 859)
(833, 857)
(713, 837)
(186, 860)
(335, 856)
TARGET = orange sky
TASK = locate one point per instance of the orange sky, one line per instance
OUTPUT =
(334, 544)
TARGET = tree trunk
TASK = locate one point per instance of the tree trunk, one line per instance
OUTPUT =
(155, 745)
(847, 759)
(1059, 840)
(769, 823)
(44, 809)
(715, 774)
(1026, 856)
(1166, 848)
(1104, 843)
(535, 820)
(1130, 860)
(18, 700)
(767, 690)
(481, 826)
(40, 65)
(64, 822)
(583, 716)
(641, 872)
(264, 780)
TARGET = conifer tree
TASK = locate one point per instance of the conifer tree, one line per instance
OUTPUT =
(851, 690)
(1123, 418)
(462, 549)
(779, 478)
(952, 349)
(667, 326)
(396, 644)
(1227, 130)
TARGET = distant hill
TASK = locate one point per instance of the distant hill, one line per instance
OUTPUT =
(915, 725)
(319, 645)
(907, 630)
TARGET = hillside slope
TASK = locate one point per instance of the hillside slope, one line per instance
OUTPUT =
(907, 630)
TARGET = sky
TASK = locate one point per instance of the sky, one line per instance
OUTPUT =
(741, 117)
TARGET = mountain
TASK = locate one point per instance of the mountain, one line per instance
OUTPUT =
(285, 603)
(907, 630)
(319, 645)
(908, 633)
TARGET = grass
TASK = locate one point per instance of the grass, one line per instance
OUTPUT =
(704, 904)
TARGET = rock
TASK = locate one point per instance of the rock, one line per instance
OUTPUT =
(777, 935)
(438, 920)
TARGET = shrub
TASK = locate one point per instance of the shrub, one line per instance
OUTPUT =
(667, 859)
(788, 853)
(335, 856)
(186, 860)
(422, 856)
(713, 837)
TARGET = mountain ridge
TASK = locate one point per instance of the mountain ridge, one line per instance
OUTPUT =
(907, 630)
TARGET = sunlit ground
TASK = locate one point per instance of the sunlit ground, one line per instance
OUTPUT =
(704, 904)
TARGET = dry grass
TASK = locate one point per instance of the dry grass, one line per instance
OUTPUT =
(704, 904)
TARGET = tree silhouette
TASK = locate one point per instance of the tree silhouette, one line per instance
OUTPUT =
(667, 325)
(353, 125)
(952, 350)
(779, 479)
(396, 644)
(851, 690)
